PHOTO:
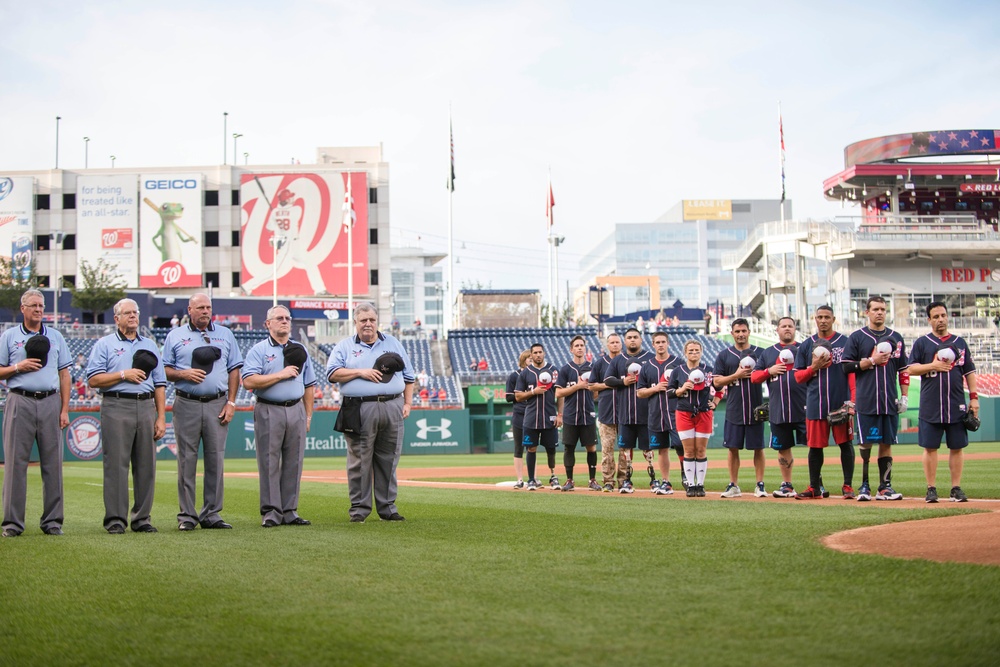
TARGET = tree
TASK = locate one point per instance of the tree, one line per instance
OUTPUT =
(98, 287)
(561, 316)
(15, 278)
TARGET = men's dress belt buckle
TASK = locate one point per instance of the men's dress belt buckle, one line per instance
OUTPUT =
(381, 398)
(201, 399)
(33, 394)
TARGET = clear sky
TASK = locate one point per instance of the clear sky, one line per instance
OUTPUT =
(633, 106)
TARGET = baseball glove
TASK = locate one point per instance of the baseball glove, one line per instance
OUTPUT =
(971, 422)
(841, 415)
(761, 413)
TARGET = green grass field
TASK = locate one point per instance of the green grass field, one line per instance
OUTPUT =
(486, 577)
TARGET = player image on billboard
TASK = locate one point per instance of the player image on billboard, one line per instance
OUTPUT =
(169, 231)
(291, 229)
(17, 223)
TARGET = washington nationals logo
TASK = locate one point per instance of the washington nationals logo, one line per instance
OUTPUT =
(6, 187)
(423, 429)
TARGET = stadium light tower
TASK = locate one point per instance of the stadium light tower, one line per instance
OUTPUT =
(86, 152)
(236, 136)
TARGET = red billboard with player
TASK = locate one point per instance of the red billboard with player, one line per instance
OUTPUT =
(294, 229)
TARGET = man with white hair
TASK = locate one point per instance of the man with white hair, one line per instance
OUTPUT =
(127, 369)
(376, 383)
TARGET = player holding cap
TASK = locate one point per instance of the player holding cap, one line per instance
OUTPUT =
(691, 384)
(653, 380)
(944, 360)
(787, 402)
(623, 375)
(541, 418)
(576, 404)
(876, 355)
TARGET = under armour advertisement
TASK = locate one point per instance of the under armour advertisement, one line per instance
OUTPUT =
(295, 229)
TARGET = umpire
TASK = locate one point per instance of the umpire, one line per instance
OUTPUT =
(204, 362)
(376, 380)
(126, 367)
(280, 374)
(35, 361)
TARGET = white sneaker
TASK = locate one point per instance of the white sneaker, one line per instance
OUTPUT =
(759, 491)
(784, 491)
(732, 491)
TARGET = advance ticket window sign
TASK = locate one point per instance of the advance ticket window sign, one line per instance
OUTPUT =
(170, 254)
(293, 230)
(107, 224)
(17, 222)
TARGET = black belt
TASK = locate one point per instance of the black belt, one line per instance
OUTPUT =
(208, 398)
(285, 404)
(33, 394)
(125, 394)
(381, 398)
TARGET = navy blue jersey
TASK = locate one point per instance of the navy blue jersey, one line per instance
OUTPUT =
(694, 401)
(629, 407)
(743, 395)
(517, 416)
(828, 388)
(606, 407)
(661, 408)
(540, 410)
(578, 407)
(786, 397)
(876, 388)
(942, 395)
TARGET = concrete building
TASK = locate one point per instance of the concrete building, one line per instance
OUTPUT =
(418, 288)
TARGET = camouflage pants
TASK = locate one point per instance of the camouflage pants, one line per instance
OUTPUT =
(609, 438)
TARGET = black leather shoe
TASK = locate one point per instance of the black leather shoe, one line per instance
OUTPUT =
(299, 521)
(185, 526)
(395, 516)
(217, 525)
(10, 532)
(357, 519)
(55, 530)
(116, 529)
(269, 523)
(148, 528)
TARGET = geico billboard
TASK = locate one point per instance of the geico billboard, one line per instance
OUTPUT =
(17, 213)
(293, 229)
(170, 228)
(106, 224)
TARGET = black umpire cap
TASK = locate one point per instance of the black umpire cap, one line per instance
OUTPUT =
(145, 361)
(204, 358)
(38, 347)
(389, 364)
(295, 355)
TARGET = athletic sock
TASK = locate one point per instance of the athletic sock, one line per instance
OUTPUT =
(592, 464)
(885, 471)
(866, 455)
(701, 467)
(529, 459)
(569, 460)
(815, 466)
(847, 462)
(689, 471)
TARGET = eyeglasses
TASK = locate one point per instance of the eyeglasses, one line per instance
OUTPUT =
(282, 319)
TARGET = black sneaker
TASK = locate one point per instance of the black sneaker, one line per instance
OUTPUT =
(932, 496)
(958, 495)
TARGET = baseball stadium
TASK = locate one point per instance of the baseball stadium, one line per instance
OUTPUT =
(483, 572)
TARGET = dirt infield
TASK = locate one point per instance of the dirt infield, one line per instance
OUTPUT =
(971, 538)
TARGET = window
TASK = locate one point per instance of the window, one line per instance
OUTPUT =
(432, 319)
(432, 276)
(43, 281)
(373, 280)
(211, 197)
(234, 197)
(211, 239)
(373, 236)
(236, 280)
(430, 290)
(212, 278)
(236, 238)
(41, 242)
(432, 305)
(41, 202)
(69, 200)
(69, 281)
(372, 195)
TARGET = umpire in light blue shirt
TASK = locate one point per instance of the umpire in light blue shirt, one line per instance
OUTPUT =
(377, 391)
(127, 369)
(279, 372)
(203, 361)
(35, 361)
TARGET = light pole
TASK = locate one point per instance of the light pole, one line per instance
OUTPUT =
(246, 158)
(113, 158)
(57, 241)
(86, 152)
(225, 136)
(556, 241)
(58, 118)
(236, 136)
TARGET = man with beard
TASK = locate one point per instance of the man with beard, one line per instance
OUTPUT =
(623, 375)
(576, 404)
(541, 418)
(607, 418)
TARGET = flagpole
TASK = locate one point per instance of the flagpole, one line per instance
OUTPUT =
(450, 278)
(548, 243)
(350, 250)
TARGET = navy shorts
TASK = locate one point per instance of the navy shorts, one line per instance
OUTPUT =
(545, 437)
(877, 430)
(665, 440)
(518, 433)
(929, 435)
(632, 435)
(585, 434)
(743, 436)
(786, 436)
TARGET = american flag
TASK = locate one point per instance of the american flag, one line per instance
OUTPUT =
(953, 141)
(451, 174)
(349, 215)
(549, 204)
